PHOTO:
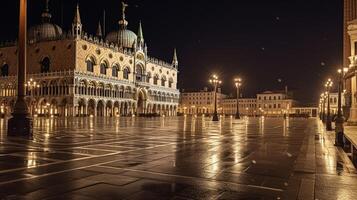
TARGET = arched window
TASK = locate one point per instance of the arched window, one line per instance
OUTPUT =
(126, 73)
(139, 73)
(5, 70)
(45, 65)
(90, 65)
(156, 78)
(115, 70)
(103, 68)
(163, 81)
(148, 77)
(170, 82)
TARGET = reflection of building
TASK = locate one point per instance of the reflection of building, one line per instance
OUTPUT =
(200, 102)
(79, 74)
(305, 111)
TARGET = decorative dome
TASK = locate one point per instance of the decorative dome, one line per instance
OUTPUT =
(44, 31)
(123, 37)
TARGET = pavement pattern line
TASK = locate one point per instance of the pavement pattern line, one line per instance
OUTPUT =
(74, 160)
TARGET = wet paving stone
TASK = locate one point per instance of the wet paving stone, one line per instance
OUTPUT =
(174, 158)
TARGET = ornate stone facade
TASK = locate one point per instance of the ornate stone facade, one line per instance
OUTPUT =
(75, 74)
(350, 76)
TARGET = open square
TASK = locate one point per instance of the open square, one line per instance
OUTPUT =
(174, 158)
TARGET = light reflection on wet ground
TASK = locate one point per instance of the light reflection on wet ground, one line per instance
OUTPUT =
(174, 158)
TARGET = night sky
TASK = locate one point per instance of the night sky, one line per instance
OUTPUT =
(298, 42)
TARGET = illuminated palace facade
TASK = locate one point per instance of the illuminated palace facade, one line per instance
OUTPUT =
(76, 74)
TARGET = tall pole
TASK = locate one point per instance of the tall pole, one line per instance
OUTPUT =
(321, 102)
(20, 124)
(324, 109)
(340, 119)
(215, 114)
(237, 111)
(238, 83)
(215, 82)
(328, 120)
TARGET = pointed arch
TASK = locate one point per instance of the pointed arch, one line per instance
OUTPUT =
(104, 64)
(139, 72)
(115, 69)
(163, 80)
(156, 78)
(126, 72)
(90, 63)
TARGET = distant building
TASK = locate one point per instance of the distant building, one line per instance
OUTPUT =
(274, 103)
(334, 102)
(268, 103)
(247, 106)
(200, 102)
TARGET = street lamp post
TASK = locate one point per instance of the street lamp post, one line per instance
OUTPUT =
(21, 124)
(340, 119)
(324, 107)
(238, 83)
(328, 86)
(215, 82)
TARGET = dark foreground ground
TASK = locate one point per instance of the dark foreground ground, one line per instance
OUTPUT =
(175, 158)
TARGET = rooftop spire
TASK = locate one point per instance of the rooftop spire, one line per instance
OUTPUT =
(77, 24)
(123, 23)
(46, 15)
(99, 30)
(77, 16)
(140, 34)
(175, 60)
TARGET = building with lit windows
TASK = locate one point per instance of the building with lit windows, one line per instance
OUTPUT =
(274, 103)
(268, 103)
(200, 102)
(76, 74)
(247, 106)
(334, 102)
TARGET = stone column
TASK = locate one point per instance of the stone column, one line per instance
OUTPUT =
(95, 109)
(21, 124)
(86, 109)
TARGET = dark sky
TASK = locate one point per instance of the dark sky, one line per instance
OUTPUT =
(262, 41)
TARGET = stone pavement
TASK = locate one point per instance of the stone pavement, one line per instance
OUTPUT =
(175, 158)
